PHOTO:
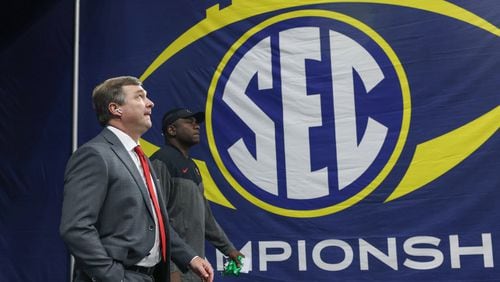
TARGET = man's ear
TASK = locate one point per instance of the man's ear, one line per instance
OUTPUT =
(171, 130)
(114, 109)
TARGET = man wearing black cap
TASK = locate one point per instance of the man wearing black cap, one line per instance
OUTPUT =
(189, 211)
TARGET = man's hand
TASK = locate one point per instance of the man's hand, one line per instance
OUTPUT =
(234, 256)
(202, 268)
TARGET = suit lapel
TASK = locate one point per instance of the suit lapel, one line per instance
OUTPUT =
(122, 154)
(159, 192)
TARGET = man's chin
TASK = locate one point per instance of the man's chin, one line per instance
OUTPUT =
(147, 126)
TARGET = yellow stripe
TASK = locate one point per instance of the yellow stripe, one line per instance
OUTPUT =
(439, 155)
(244, 9)
(148, 148)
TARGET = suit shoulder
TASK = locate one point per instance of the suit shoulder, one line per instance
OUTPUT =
(97, 146)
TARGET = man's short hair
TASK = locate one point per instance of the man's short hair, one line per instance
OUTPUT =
(110, 91)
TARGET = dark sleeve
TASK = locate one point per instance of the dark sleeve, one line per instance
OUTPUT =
(85, 189)
(214, 233)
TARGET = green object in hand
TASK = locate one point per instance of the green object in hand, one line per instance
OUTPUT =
(230, 268)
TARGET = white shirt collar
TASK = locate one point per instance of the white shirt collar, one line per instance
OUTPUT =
(126, 140)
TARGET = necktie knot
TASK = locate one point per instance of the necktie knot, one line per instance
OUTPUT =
(139, 151)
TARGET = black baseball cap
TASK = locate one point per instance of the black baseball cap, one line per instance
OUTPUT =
(175, 114)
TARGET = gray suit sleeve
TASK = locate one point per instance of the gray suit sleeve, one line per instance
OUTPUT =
(85, 188)
(182, 253)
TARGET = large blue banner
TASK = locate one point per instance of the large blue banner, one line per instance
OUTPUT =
(344, 140)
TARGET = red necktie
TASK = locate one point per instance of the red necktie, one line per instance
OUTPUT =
(149, 183)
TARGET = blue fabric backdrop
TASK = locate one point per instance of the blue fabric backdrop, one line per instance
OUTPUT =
(417, 203)
(36, 69)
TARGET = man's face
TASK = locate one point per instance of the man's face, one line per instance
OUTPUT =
(136, 110)
(187, 131)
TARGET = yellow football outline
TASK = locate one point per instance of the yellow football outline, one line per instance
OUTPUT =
(243, 9)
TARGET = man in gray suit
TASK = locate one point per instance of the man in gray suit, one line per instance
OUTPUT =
(109, 220)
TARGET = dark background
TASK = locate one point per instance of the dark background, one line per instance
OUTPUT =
(36, 74)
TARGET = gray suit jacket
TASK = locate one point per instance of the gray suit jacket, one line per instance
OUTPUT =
(107, 221)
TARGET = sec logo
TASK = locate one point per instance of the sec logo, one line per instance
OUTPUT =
(307, 113)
